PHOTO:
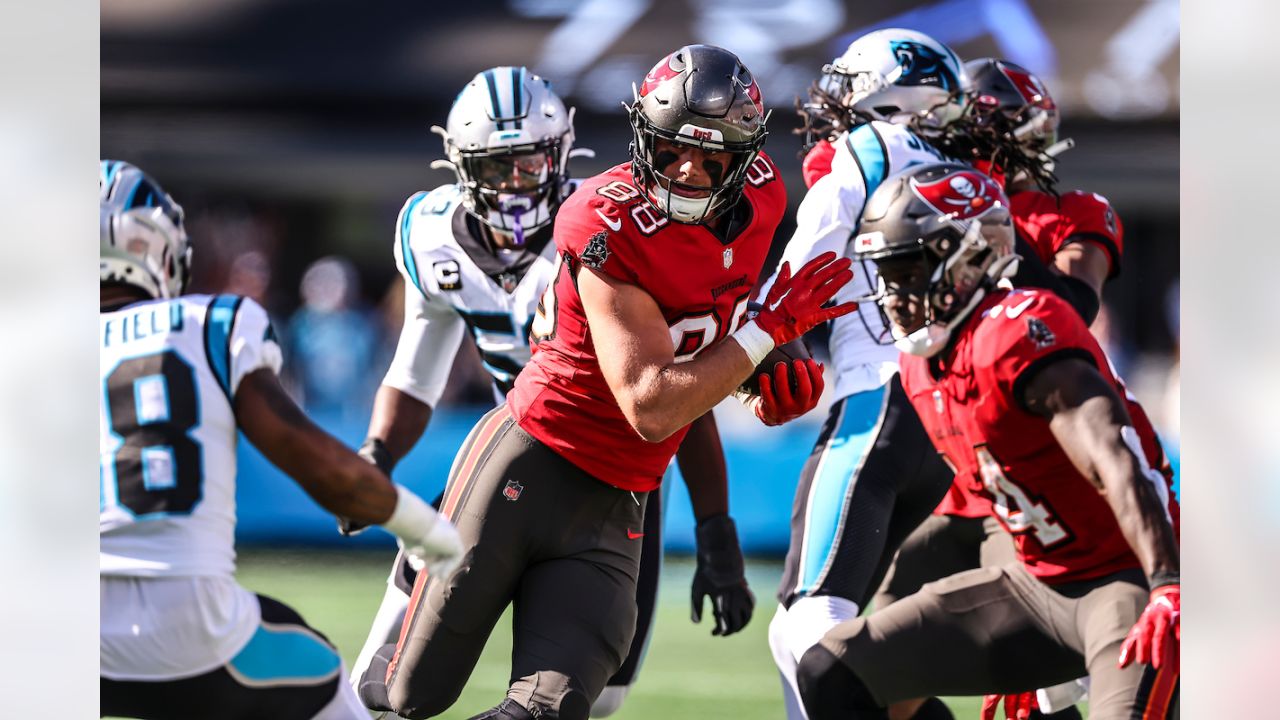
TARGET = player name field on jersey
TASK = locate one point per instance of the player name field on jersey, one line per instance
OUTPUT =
(147, 321)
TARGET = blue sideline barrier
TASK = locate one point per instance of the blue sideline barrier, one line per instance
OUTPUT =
(763, 467)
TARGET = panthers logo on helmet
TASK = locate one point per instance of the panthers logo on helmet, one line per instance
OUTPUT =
(962, 195)
(922, 65)
(1028, 86)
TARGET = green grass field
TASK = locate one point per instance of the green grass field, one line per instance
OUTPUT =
(687, 675)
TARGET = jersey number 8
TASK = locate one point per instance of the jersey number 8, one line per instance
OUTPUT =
(152, 407)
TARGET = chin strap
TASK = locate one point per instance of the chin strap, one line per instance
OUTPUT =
(930, 339)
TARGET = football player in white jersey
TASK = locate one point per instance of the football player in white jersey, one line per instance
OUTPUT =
(181, 374)
(859, 495)
(476, 256)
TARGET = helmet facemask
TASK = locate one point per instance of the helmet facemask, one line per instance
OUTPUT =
(1009, 124)
(515, 190)
(926, 292)
(699, 203)
(509, 138)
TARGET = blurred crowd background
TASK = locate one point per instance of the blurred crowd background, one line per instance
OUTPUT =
(292, 131)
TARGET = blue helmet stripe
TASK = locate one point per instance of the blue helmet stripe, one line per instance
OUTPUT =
(128, 201)
(109, 169)
(493, 97)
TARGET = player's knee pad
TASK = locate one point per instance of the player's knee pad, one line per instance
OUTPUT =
(802, 625)
(831, 690)
(610, 700)
(371, 686)
(407, 699)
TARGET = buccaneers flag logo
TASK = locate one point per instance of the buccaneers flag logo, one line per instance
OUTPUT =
(962, 195)
(596, 251)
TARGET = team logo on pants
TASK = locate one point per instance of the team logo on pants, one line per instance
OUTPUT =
(512, 490)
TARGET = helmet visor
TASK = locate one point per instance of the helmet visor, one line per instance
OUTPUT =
(513, 173)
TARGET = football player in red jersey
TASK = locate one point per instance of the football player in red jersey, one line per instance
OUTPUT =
(643, 331)
(1070, 244)
(1019, 398)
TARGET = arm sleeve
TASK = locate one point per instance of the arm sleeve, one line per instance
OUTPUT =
(825, 222)
(1032, 272)
(429, 341)
(252, 344)
(432, 330)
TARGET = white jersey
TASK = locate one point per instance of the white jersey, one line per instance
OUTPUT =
(167, 432)
(827, 221)
(456, 284)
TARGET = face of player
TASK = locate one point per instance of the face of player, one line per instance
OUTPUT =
(696, 171)
(906, 286)
(512, 173)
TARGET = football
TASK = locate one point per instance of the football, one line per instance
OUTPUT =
(794, 350)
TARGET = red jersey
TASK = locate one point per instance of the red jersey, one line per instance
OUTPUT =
(1062, 526)
(817, 162)
(700, 283)
(1048, 223)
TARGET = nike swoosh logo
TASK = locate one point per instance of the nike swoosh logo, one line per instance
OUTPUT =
(633, 535)
(1016, 310)
(614, 225)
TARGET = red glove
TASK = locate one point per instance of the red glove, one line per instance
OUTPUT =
(1016, 707)
(794, 304)
(1155, 637)
(776, 408)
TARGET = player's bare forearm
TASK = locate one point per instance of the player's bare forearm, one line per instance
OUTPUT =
(327, 470)
(701, 461)
(657, 395)
(1089, 420)
(398, 420)
(1084, 261)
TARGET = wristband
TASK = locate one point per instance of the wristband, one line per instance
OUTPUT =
(754, 341)
(413, 518)
(376, 452)
(1161, 578)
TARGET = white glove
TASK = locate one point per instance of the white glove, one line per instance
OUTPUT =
(429, 540)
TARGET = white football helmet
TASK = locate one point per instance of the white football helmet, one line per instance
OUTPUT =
(509, 139)
(899, 76)
(143, 242)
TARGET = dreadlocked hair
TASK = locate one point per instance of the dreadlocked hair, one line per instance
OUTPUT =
(972, 141)
(824, 118)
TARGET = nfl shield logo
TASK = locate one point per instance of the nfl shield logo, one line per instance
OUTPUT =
(728, 258)
(512, 491)
(937, 401)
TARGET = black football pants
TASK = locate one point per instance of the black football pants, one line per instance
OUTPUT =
(561, 545)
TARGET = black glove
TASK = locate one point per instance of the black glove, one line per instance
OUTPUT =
(720, 574)
(377, 454)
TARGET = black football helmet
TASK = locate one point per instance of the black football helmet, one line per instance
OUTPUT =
(1010, 123)
(941, 236)
(699, 95)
